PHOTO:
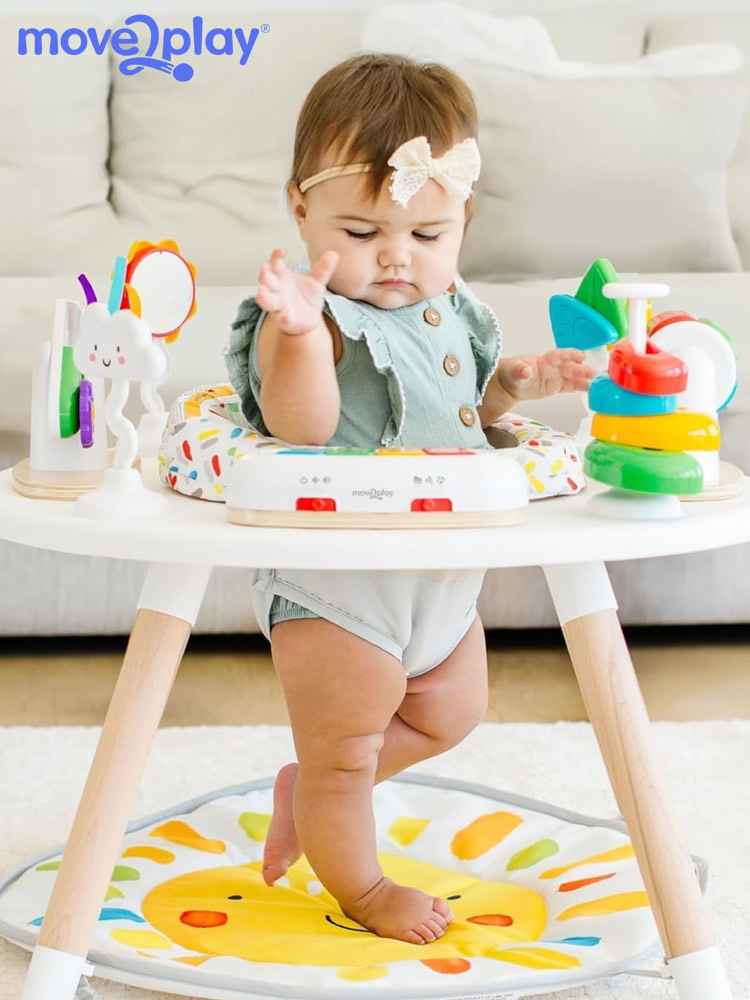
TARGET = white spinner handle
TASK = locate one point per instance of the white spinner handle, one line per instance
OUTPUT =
(637, 293)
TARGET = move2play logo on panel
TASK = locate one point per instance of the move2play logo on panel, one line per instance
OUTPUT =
(156, 50)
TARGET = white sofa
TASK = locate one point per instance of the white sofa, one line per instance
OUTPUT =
(93, 159)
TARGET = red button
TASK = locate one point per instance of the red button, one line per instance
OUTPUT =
(430, 504)
(315, 503)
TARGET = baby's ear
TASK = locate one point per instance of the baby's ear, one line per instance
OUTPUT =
(296, 202)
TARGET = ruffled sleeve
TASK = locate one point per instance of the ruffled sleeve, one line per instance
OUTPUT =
(484, 333)
(241, 356)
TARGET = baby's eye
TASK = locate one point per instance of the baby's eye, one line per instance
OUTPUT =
(359, 236)
(426, 237)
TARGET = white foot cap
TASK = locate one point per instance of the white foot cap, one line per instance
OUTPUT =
(54, 975)
(122, 495)
(700, 975)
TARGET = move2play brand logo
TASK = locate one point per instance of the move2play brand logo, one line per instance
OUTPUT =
(125, 42)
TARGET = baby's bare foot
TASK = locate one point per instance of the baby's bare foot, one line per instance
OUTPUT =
(395, 911)
(282, 847)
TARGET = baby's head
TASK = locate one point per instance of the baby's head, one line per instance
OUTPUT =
(398, 241)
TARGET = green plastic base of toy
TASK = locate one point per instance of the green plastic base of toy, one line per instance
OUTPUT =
(643, 469)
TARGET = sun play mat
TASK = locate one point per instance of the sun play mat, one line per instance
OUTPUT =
(544, 900)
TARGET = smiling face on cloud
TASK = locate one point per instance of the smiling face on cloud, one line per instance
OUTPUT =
(117, 346)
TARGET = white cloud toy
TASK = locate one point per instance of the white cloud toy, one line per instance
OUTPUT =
(117, 345)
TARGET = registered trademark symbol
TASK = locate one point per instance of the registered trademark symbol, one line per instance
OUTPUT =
(265, 28)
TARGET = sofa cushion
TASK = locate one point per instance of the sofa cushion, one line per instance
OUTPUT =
(631, 168)
(612, 33)
(733, 28)
(454, 33)
(54, 184)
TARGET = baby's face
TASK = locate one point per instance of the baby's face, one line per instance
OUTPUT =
(389, 256)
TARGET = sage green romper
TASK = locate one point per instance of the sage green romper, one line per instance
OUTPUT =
(409, 377)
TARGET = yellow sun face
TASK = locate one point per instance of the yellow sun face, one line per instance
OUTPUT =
(231, 911)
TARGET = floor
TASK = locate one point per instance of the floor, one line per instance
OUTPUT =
(685, 674)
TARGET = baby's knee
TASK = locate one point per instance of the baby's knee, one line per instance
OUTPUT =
(342, 758)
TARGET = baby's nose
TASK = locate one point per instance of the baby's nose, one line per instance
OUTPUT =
(395, 254)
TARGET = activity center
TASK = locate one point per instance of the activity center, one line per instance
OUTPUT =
(545, 899)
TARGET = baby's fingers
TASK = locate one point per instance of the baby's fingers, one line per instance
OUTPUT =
(272, 269)
(324, 267)
(267, 298)
(576, 377)
(269, 278)
(277, 261)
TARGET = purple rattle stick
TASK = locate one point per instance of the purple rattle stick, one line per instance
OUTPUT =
(88, 290)
(86, 412)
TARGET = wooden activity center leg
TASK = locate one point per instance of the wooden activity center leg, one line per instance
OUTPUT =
(587, 610)
(168, 605)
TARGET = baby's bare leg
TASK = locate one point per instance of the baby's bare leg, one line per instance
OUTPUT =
(342, 693)
(437, 711)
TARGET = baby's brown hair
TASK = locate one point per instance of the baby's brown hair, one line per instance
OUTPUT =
(366, 107)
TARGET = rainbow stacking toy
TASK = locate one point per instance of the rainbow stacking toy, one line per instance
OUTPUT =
(655, 432)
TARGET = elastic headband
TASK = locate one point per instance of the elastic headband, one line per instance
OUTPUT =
(413, 165)
(324, 175)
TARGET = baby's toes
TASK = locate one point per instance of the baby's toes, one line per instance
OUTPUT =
(441, 907)
(427, 931)
(413, 937)
(437, 927)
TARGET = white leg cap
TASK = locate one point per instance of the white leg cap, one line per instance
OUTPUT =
(700, 975)
(54, 975)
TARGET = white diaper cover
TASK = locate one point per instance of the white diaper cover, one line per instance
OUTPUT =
(419, 618)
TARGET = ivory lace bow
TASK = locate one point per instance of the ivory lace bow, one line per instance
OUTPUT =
(413, 165)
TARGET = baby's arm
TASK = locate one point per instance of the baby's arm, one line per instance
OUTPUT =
(299, 395)
(533, 376)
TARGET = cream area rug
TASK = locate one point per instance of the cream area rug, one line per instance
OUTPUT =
(43, 771)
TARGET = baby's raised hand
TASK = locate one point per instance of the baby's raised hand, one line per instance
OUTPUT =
(534, 376)
(295, 300)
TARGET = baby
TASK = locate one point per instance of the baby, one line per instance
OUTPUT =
(380, 343)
